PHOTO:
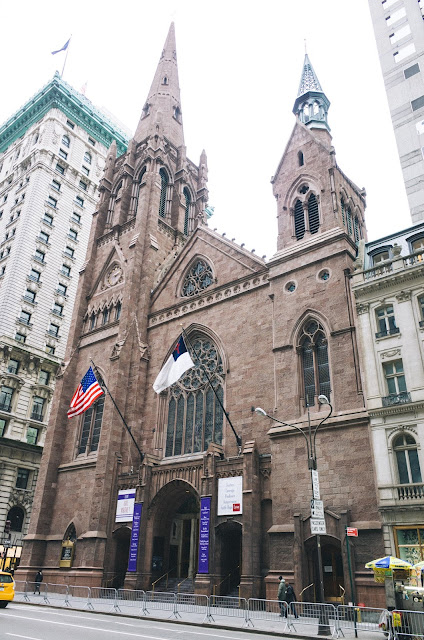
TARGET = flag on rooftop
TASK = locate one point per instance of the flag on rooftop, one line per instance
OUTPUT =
(178, 363)
(65, 46)
(87, 392)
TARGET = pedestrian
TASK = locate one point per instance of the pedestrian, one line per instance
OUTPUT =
(281, 595)
(291, 599)
(38, 581)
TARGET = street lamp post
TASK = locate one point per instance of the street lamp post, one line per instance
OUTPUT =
(310, 438)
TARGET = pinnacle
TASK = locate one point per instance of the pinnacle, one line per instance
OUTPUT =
(309, 80)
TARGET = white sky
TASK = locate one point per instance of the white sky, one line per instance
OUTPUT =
(239, 63)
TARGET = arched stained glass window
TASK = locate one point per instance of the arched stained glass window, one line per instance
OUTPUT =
(187, 197)
(313, 214)
(198, 278)
(407, 460)
(314, 361)
(299, 220)
(91, 427)
(163, 192)
(195, 417)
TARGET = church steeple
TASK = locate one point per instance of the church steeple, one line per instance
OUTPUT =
(311, 105)
(162, 109)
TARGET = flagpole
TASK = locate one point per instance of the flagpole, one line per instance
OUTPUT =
(66, 57)
(120, 414)
(237, 437)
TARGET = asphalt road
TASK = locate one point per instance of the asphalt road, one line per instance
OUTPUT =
(23, 622)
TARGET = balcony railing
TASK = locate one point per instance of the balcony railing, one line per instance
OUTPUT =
(415, 258)
(400, 398)
(390, 332)
(410, 491)
(377, 272)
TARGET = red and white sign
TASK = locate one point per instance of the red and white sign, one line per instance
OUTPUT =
(352, 531)
(230, 496)
(236, 507)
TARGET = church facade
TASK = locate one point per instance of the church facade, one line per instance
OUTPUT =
(227, 486)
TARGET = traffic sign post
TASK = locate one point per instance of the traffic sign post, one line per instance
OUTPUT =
(351, 532)
(317, 509)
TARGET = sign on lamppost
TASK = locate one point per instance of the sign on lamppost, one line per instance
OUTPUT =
(317, 509)
(318, 527)
(315, 484)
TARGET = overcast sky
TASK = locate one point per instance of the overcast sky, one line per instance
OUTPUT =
(239, 64)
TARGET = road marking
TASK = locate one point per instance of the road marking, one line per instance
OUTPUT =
(15, 635)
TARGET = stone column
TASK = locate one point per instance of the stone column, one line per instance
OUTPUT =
(250, 580)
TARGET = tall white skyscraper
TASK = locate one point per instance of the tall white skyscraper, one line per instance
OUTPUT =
(52, 155)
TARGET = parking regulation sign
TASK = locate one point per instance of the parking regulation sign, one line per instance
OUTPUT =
(318, 527)
(352, 531)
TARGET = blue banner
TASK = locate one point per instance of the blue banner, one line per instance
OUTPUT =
(135, 534)
(205, 518)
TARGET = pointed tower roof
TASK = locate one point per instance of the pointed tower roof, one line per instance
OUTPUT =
(163, 104)
(311, 104)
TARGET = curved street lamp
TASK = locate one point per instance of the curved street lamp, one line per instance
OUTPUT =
(310, 438)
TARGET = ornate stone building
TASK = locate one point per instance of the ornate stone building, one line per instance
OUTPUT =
(274, 334)
(52, 155)
(388, 285)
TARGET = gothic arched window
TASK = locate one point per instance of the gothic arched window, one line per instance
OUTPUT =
(195, 417)
(299, 220)
(313, 214)
(342, 204)
(163, 192)
(137, 190)
(187, 197)
(349, 221)
(71, 533)
(408, 465)
(91, 427)
(198, 278)
(16, 516)
(300, 159)
(356, 228)
(314, 359)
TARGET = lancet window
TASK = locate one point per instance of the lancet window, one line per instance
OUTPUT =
(313, 214)
(187, 198)
(91, 427)
(163, 192)
(314, 362)
(299, 220)
(198, 278)
(195, 417)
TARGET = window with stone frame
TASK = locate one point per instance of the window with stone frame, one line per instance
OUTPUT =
(313, 213)
(198, 278)
(409, 541)
(386, 322)
(6, 395)
(91, 427)
(164, 182)
(195, 416)
(16, 516)
(395, 377)
(408, 464)
(314, 362)
(187, 210)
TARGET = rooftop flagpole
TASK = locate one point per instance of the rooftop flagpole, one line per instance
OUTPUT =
(103, 384)
(237, 437)
(66, 57)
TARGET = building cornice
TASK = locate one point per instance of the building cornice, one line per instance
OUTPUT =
(58, 94)
(390, 411)
(392, 279)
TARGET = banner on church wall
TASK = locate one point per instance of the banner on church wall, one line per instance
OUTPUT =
(125, 505)
(205, 518)
(135, 534)
(230, 496)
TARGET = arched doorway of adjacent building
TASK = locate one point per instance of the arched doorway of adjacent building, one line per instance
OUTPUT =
(332, 567)
(121, 538)
(228, 554)
(175, 532)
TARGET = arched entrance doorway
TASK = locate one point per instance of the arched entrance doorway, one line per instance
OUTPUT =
(176, 531)
(332, 567)
(229, 550)
(121, 539)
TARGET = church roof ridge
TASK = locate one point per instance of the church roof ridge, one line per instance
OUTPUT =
(57, 93)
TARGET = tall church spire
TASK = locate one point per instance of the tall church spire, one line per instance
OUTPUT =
(311, 104)
(162, 110)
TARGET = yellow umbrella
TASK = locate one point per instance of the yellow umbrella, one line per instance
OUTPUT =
(388, 562)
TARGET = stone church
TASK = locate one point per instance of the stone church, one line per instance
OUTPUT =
(274, 334)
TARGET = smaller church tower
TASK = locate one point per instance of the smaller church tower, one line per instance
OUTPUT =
(313, 194)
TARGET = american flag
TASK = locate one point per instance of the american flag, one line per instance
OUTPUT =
(88, 391)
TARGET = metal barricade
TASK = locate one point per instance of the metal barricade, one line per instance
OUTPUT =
(57, 594)
(104, 598)
(36, 592)
(362, 619)
(79, 597)
(192, 603)
(323, 616)
(20, 591)
(270, 610)
(228, 606)
(131, 601)
(159, 601)
(408, 624)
